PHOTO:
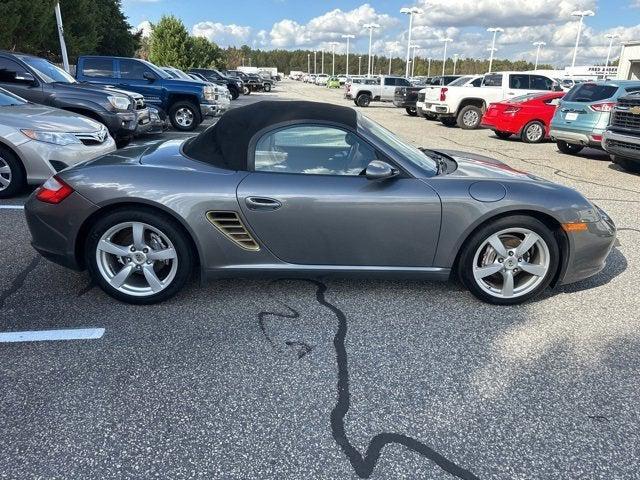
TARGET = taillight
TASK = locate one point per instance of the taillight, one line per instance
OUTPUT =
(53, 191)
(512, 110)
(596, 138)
(443, 94)
(602, 107)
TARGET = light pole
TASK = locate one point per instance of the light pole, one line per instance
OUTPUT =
(539, 45)
(333, 54)
(63, 45)
(495, 31)
(411, 11)
(359, 64)
(444, 56)
(371, 27)
(492, 50)
(581, 14)
(429, 68)
(611, 37)
(455, 62)
(308, 64)
(413, 59)
(348, 37)
(322, 61)
(315, 63)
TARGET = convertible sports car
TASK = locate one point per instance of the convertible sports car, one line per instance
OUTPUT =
(309, 189)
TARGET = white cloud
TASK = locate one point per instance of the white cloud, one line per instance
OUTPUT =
(145, 27)
(223, 35)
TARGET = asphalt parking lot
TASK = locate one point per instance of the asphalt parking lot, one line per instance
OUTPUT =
(331, 379)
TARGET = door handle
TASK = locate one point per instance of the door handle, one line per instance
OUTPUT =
(262, 203)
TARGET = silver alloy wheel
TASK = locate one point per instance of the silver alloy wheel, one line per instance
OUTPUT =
(136, 259)
(5, 174)
(511, 263)
(470, 118)
(184, 117)
(534, 132)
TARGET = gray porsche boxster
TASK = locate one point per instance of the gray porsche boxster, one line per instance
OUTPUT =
(309, 189)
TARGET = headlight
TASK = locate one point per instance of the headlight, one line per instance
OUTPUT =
(57, 138)
(119, 103)
(209, 92)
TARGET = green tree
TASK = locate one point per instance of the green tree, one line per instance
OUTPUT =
(203, 53)
(170, 43)
(115, 37)
(24, 24)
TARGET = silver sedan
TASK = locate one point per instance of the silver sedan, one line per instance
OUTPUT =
(38, 141)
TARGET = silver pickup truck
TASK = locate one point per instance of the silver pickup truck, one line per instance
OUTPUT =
(622, 137)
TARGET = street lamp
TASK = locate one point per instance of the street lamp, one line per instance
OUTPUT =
(308, 64)
(359, 64)
(611, 37)
(411, 11)
(413, 59)
(315, 62)
(370, 27)
(581, 14)
(539, 45)
(444, 57)
(333, 53)
(429, 68)
(322, 61)
(455, 62)
(495, 31)
(348, 37)
(393, 47)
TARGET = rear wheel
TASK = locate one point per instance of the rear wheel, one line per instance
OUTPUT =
(184, 116)
(569, 148)
(533, 132)
(235, 93)
(363, 100)
(469, 117)
(502, 135)
(12, 177)
(510, 260)
(138, 256)
(626, 163)
(412, 111)
(448, 121)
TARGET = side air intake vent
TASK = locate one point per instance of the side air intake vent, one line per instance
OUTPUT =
(232, 227)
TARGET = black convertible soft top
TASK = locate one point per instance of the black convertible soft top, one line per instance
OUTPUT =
(226, 144)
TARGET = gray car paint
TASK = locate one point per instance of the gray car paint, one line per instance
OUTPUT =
(415, 243)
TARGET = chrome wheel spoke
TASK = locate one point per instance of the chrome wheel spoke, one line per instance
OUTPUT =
(507, 286)
(122, 276)
(151, 277)
(113, 249)
(529, 241)
(482, 272)
(138, 235)
(5, 169)
(4, 181)
(533, 269)
(166, 254)
(497, 245)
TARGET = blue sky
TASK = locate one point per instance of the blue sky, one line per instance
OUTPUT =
(313, 25)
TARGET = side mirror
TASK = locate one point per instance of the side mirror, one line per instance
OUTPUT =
(25, 77)
(379, 170)
(149, 76)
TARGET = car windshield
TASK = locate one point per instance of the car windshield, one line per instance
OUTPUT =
(158, 71)
(9, 100)
(407, 151)
(459, 81)
(48, 71)
(180, 74)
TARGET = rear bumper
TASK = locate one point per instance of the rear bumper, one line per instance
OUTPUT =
(576, 137)
(437, 108)
(404, 103)
(620, 144)
(500, 124)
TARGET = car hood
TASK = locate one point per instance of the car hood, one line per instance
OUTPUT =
(40, 117)
(472, 165)
(91, 89)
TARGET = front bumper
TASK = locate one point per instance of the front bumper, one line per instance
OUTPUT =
(123, 124)
(622, 145)
(588, 251)
(42, 160)
(208, 109)
(576, 137)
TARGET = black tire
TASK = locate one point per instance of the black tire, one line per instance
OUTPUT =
(469, 118)
(502, 135)
(246, 90)
(235, 93)
(412, 111)
(448, 121)
(184, 105)
(363, 100)
(569, 148)
(466, 258)
(267, 87)
(122, 142)
(162, 222)
(628, 164)
(533, 132)
(16, 175)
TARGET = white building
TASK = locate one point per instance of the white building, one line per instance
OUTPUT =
(629, 67)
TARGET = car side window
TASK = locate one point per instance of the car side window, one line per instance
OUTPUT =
(493, 80)
(538, 82)
(98, 68)
(390, 82)
(12, 72)
(401, 82)
(313, 150)
(519, 82)
(132, 70)
(477, 82)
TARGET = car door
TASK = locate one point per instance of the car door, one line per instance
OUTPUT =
(308, 202)
(132, 77)
(388, 89)
(518, 85)
(20, 81)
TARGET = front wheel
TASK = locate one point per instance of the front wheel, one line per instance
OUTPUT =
(568, 148)
(267, 87)
(138, 256)
(235, 93)
(412, 111)
(470, 117)
(184, 116)
(509, 261)
(533, 132)
(626, 163)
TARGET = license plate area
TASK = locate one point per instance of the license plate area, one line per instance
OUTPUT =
(571, 116)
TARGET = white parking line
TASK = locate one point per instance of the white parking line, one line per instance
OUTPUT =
(11, 207)
(52, 335)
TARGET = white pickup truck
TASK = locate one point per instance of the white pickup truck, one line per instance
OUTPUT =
(464, 81)
(465, 106)
(383, 90)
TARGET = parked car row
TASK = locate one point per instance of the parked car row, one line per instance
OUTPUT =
(51, 120)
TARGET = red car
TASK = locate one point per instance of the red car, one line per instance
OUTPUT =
(528, 116)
